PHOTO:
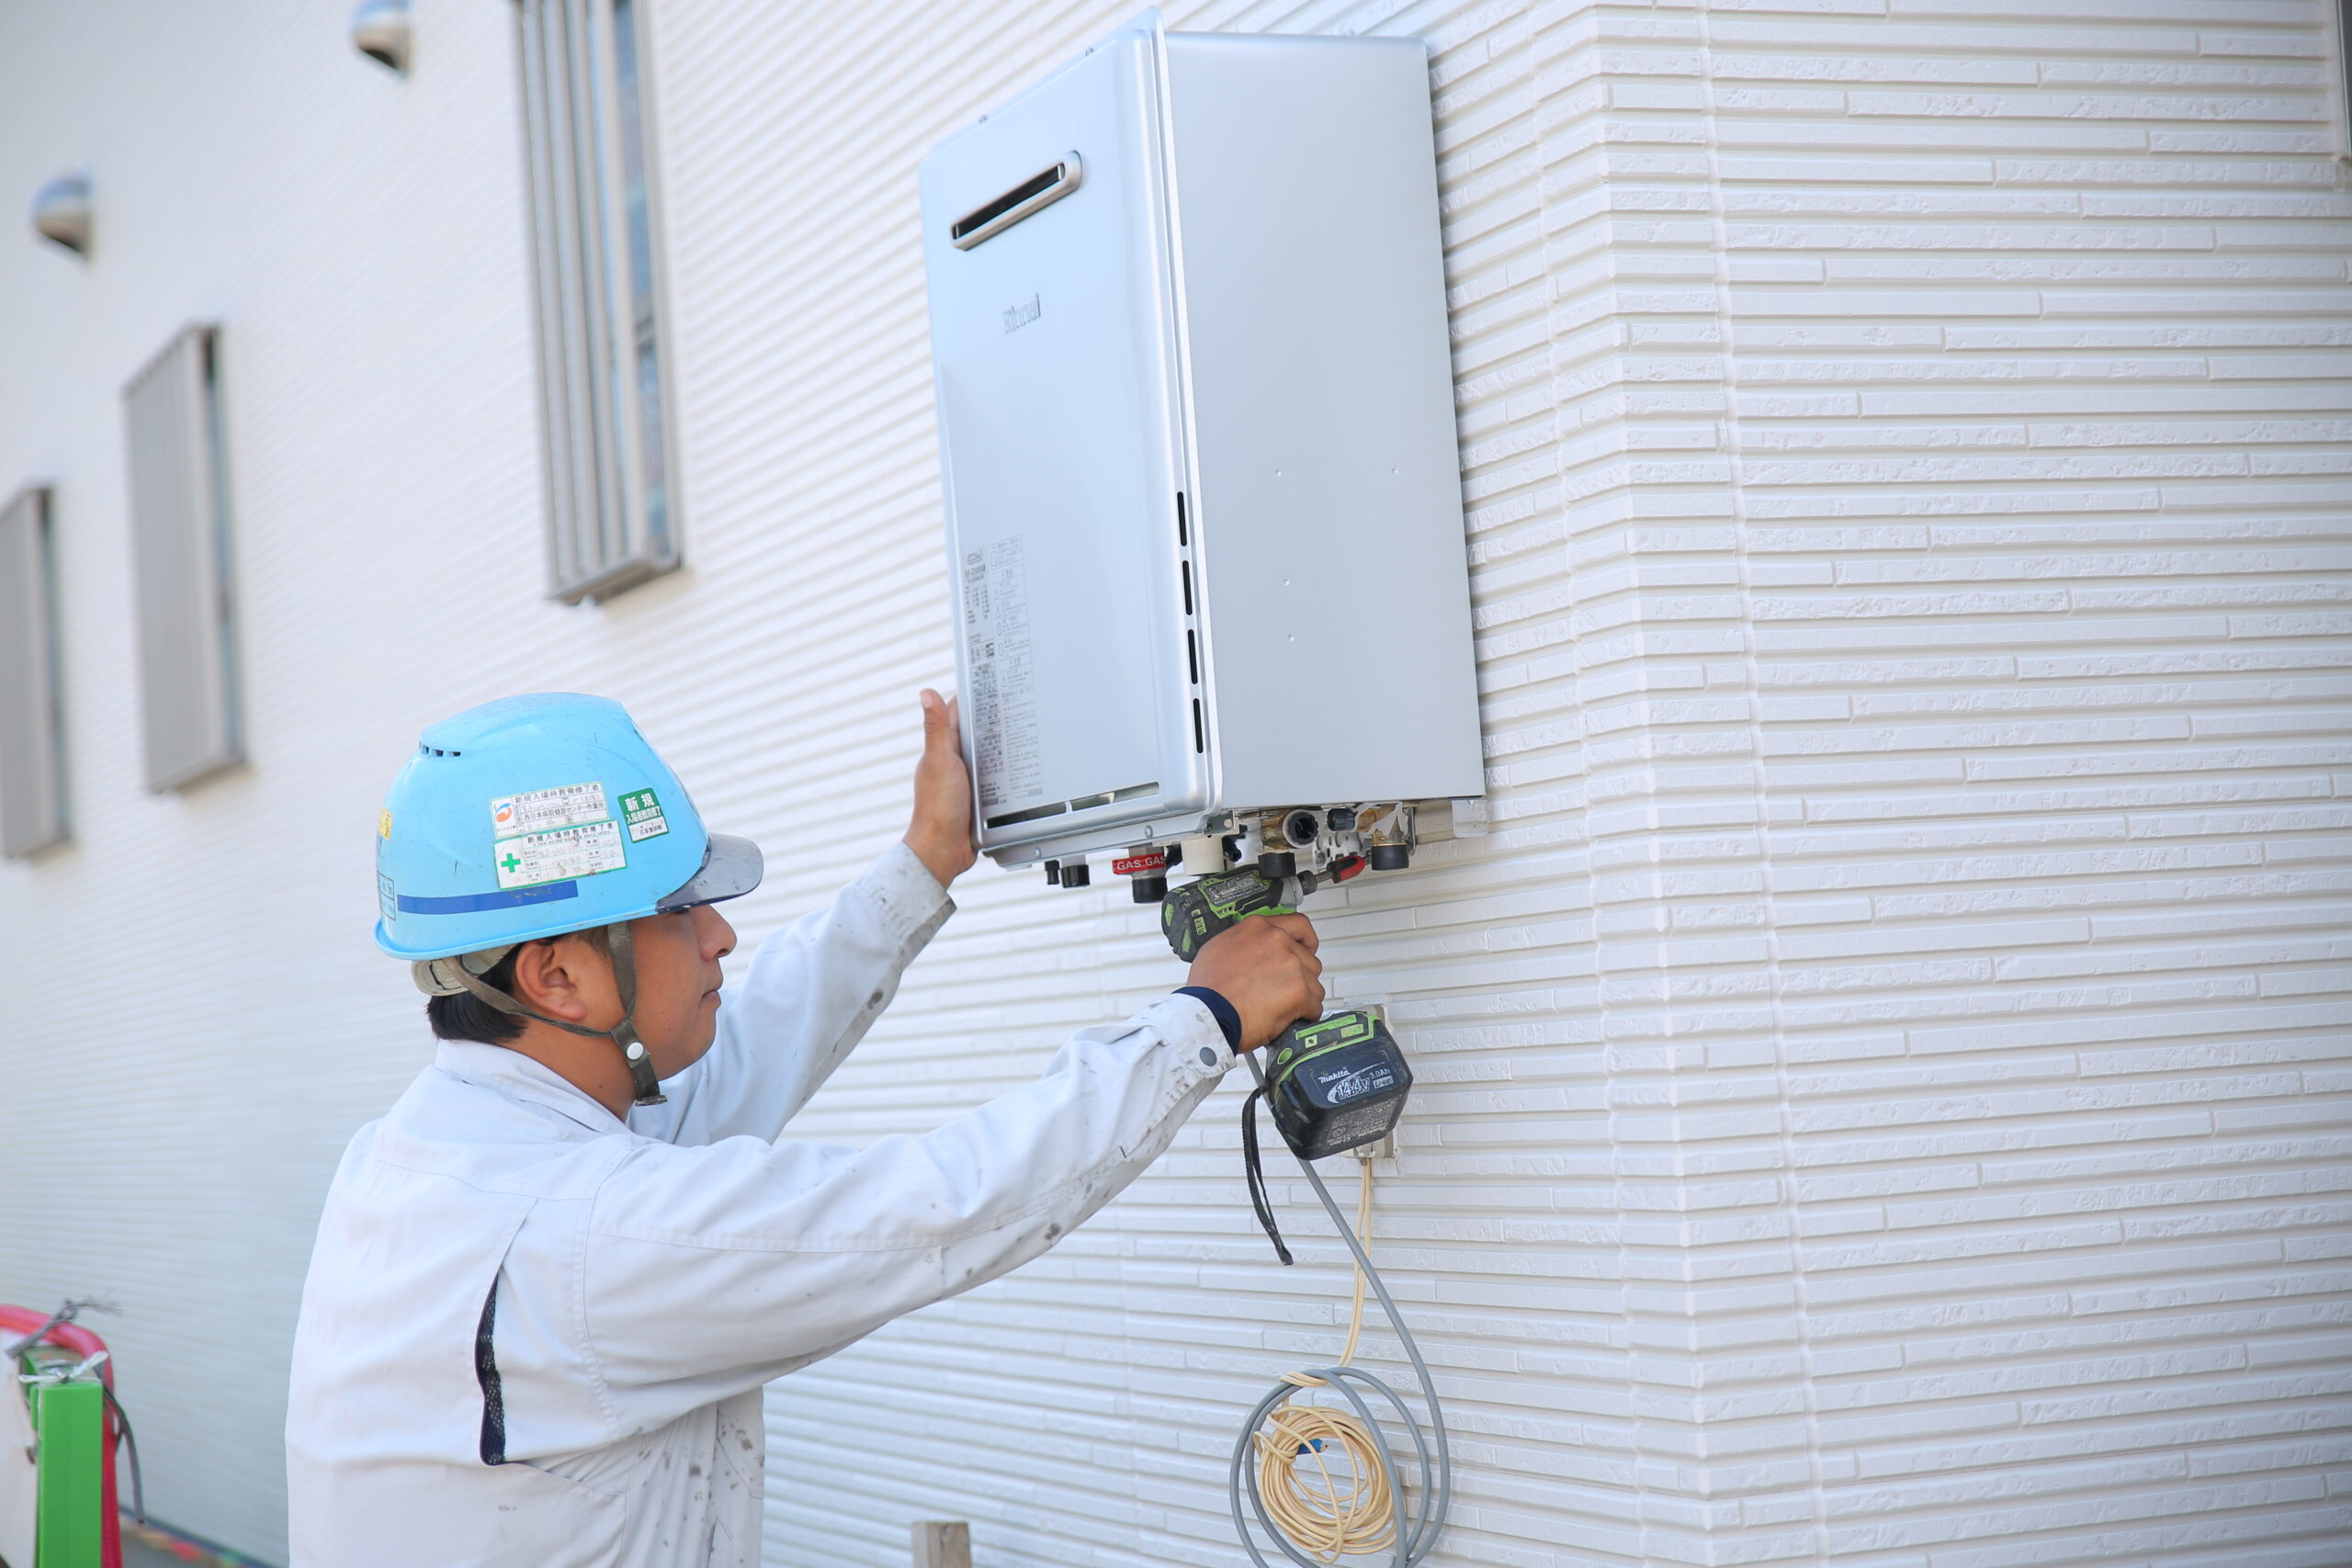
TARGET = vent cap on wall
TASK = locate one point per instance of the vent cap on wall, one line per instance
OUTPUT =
(61, 211)
(380, 30)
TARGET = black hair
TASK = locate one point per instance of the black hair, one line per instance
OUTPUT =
(466, 1017)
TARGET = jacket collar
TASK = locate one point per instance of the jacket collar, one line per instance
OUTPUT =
(513, 1074)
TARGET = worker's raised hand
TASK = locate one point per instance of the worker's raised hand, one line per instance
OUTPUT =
(1266, 967)
(941, 832)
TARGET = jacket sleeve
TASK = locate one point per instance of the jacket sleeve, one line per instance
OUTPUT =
(707, 1271)
(810, 995)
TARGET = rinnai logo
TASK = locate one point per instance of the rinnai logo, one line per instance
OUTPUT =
(1018, 316)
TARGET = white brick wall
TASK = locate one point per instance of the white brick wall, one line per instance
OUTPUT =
(1884, 1078)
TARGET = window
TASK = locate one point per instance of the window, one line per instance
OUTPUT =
(179, 527)
(602, 369)
(33, 752)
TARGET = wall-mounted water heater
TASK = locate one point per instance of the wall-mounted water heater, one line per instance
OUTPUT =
(1203, 498)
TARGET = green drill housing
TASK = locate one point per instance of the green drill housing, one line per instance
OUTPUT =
(1200, 910)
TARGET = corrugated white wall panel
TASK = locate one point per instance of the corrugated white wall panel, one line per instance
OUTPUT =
(1884, 1074)
(192, 1032)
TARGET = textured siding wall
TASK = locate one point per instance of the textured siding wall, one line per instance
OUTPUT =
(1884, 1074)
(1876, 1097)
(1952, 457)
(193, 1021)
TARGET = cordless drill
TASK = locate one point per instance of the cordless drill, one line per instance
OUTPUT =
(1335, 1083)
(1199, 910)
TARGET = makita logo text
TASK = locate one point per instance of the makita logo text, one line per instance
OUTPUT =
(1018, 316)
(1347, 1083)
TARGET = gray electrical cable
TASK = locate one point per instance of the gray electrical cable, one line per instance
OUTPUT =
(1414, 1535)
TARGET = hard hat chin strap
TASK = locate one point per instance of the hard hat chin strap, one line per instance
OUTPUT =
(623, 1035)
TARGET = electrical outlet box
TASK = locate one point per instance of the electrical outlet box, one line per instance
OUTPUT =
(1196, 417)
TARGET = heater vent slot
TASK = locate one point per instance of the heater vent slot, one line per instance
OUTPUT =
(1083, 803)
(1038, 191)
(1031, 815)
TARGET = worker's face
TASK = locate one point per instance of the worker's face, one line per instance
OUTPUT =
(570, 978)
(677, 983)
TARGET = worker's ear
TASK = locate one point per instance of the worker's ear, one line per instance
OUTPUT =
(557, 977)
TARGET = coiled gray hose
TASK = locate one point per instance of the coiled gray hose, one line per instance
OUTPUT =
(1414, 1533)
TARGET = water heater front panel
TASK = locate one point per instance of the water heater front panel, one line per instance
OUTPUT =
(1051, 347)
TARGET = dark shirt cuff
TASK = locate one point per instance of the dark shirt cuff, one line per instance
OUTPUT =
(1227, 1019)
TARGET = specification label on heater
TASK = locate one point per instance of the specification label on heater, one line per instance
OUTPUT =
(1003, 709)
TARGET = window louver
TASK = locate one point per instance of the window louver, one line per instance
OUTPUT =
(32, 772)
(611, 516)
(179, 525)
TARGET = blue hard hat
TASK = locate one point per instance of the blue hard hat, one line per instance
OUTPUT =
(534, 815)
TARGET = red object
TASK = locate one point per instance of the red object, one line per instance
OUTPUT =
(18, 1322)
(1343, 869)
(1147, 864)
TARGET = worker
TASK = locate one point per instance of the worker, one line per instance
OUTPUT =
(550, 1282)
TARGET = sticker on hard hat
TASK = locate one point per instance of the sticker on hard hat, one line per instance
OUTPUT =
(560, 853)
(544, 808)
(642, 812)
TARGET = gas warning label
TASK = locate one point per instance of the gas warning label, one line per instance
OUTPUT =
(560, 854)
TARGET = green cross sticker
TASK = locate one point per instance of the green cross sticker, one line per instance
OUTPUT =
(509, 862)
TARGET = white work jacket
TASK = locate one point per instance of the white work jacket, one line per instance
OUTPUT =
(535, 1335)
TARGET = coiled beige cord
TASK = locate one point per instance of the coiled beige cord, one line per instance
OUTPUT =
(1329, 1510)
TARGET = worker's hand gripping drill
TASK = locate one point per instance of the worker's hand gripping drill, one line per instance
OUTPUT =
(1267, 969)
(1333, 1083)
(1197, 912)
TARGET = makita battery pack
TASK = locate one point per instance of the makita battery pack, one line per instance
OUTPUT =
(1336, 1084)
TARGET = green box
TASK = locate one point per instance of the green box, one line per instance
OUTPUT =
(69, 1421)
